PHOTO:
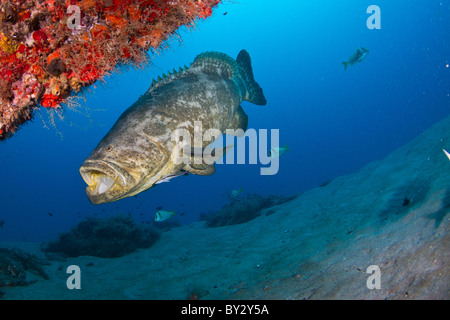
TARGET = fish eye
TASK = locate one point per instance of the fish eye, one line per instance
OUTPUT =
(108, 148)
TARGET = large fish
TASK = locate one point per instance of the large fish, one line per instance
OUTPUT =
(138, 151)
(356, 57)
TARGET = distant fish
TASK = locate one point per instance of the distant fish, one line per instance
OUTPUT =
(2, 224)
(406, 202)
(356, 57)
(235, 193)
(159, 208)
(50, 214)
(163, 215)
(278, 152)
(446, 153)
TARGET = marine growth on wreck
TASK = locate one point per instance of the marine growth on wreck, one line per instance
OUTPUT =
(51, 49)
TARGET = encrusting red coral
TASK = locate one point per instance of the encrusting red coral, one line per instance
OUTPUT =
(49, 49)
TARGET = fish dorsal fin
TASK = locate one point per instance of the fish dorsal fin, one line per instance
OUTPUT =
(167, 78)
(213, 62)
(210, 62)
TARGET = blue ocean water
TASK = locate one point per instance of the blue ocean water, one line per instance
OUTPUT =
(333, 121)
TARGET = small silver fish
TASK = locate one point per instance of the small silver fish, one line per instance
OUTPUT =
(446, 153)
(171, 176)
(163, 215)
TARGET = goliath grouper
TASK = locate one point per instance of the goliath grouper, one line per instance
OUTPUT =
(138, 152)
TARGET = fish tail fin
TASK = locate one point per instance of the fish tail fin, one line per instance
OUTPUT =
(254, 92)
(345, 65)
(286, 147)
(173, 212)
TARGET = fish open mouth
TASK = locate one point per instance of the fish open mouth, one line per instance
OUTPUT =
(106, 181)
(98, 182)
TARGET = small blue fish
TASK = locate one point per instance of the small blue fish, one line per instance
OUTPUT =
(235, 193)
(278, 152)
(163, 215)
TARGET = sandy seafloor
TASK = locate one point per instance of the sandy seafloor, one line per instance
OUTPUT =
(317, 246)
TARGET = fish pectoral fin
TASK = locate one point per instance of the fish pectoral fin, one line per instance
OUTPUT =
(209, 153)
(240, 121)
(214, 154)
(193, 152)
(202, 161)
(200, 169)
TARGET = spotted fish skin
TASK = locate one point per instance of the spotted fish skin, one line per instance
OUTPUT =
(138, 151)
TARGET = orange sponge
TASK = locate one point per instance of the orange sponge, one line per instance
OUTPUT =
(50, 49)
